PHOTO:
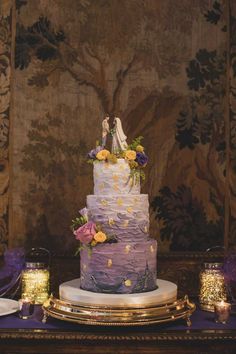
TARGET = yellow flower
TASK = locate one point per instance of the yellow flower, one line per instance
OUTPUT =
(139, 148)
(103, 154)
(100, 237)
(130, 155)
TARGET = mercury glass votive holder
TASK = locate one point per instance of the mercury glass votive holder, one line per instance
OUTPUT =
(222, 311)
(212, 286)
(35, 285)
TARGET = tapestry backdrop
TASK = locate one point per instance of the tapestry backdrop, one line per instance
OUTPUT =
(163, 68)
(5, 75)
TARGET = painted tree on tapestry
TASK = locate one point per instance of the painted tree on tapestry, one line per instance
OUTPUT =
(143, 46)
(134, 33)
(183, 218)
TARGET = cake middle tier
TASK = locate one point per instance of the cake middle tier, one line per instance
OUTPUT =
(125, 217)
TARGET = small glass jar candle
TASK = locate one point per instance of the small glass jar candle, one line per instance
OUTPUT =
(222, 311)
(212, 286)
(35, 277)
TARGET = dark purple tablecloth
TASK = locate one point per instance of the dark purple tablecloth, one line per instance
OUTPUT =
(200, 320)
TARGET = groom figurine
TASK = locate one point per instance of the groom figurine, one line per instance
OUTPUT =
(105, 130)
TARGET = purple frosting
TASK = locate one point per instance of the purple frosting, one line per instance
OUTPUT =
(119, 268)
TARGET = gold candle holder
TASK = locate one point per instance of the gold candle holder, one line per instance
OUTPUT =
(222, 312)
(212, 286)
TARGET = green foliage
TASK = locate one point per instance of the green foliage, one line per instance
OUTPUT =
(41, 40)
(77, 222)
(214, 15)
(136, 174)
(91, 161)
(206, 68)
(112, 158)
(185, 222)
(135, 143)
(202, 116)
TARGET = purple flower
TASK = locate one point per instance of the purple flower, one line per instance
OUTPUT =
(92, 154)
(141, 159)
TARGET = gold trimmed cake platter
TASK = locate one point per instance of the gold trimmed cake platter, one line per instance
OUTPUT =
(115, 316)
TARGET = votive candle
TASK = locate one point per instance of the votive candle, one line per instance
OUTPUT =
(26, 308)
(222, 311)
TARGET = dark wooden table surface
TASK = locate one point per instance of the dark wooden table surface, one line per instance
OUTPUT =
(68, 338)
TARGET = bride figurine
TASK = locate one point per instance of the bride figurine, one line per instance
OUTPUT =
(119, 137)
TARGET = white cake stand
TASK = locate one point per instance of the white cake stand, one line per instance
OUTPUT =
(71, 292)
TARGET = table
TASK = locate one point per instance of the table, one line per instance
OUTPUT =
(32, 336)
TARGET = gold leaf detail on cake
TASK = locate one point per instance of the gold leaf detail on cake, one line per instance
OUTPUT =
(135, 200)
(145, 229)
(109, 263)
(126, 223)
(127, 249)
(101, 186)
(106, 165)
(152, 248)
(128, 282)
(111, 221)
(122, 167)
(119, 201)
(104, 202)
(115, 187)
(129, 209)
(115, 178)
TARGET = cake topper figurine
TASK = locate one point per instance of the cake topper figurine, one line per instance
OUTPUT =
(105, 130)
(119, 137)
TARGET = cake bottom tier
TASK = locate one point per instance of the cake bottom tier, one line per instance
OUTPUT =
(119, 268)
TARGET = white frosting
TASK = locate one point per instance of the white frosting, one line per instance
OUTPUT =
(114, 178)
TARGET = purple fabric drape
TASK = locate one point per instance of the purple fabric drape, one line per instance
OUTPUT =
(11, 270)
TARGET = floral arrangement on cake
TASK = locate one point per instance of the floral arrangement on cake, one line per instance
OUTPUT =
(134, 154)
(87, 232)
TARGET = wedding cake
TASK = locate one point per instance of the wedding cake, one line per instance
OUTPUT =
(117, 255)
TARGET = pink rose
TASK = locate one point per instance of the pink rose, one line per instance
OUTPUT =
(86, 232)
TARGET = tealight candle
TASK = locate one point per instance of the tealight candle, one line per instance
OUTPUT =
(222, 311)
(26, 308)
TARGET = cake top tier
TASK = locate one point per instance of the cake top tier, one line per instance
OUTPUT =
(115, 178)
(117, 168)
